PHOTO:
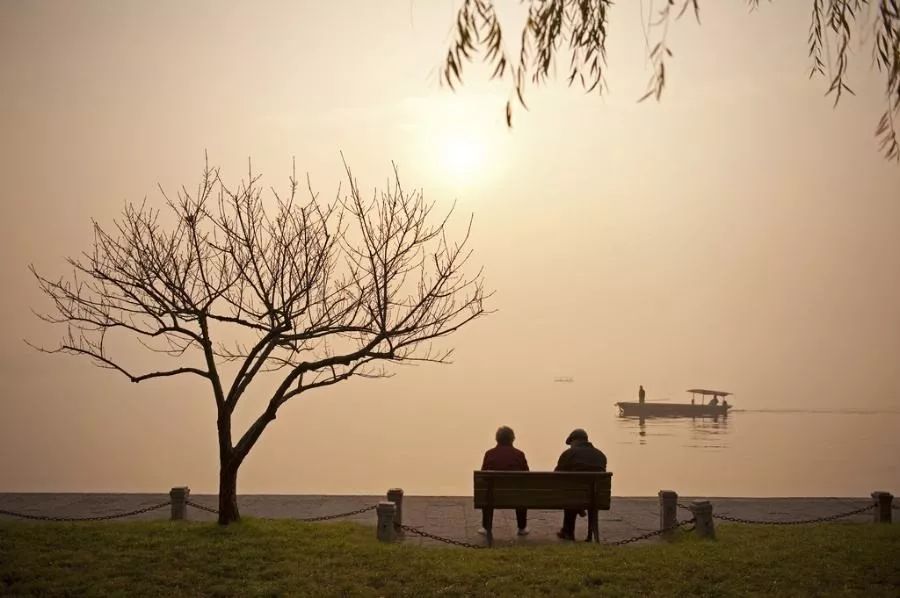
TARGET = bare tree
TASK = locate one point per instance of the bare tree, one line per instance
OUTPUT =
(312, 292)
(583, 26)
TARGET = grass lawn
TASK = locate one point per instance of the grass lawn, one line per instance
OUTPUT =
(277, 557)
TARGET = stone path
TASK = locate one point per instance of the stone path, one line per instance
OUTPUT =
(447, 516)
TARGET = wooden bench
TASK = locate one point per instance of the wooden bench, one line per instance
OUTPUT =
(579, 490)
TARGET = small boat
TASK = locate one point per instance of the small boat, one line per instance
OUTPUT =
(714, 408)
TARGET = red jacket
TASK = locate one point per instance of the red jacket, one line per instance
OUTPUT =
(504, 458)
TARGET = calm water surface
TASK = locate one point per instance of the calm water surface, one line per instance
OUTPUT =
(767, 452)
(356, 445)
(749, 453)
(761, 453)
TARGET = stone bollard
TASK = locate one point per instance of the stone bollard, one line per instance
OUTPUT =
(179, 496)
(883, 506)
(395, 495)
(668, 511)
(702, 510)
(385, 530)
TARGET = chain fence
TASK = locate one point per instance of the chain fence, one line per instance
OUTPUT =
(639, 537)
(652, 534)
(424, 534)
(307, 519)
(92, 518)
(160, 506)
(823, 519)
(339, 515)
(197, 505)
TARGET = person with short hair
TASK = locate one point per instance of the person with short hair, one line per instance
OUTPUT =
(504, 457)
(580, 456)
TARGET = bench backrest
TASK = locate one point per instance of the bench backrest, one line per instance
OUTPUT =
(543, 489)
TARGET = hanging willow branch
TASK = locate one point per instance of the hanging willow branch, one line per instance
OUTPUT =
(579, 29)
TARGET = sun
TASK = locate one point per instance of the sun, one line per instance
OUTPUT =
(462, 157)
(457, 137)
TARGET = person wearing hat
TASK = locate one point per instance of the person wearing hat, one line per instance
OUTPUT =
(580, 456)
(504, 457)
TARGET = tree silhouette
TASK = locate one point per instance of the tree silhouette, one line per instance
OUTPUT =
(579, 29)
(236, 288)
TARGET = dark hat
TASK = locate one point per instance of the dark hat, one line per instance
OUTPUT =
(577, 434)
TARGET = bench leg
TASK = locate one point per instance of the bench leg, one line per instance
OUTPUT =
(593, 526)
(487, 522)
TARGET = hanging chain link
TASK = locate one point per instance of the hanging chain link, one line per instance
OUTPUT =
(824, 519)
(652, 534)
(339, 515)
(797, 522)
(637, 538)
(94, 518)
(424, 534)
(308, 519)
(191, 503)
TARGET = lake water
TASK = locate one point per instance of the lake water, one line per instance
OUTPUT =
(760, 453)
(749, 453)
(358, 443)
(840, 453)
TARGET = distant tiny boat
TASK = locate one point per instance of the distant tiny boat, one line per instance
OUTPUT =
(692, 409)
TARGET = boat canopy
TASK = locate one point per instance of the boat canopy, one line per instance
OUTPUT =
(703, 391)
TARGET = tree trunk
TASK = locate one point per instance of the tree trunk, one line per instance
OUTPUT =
(228, 508)
(231, 457)
(228, 469)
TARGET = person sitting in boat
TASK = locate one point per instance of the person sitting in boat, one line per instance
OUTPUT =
(641, 394)
(714, 401)
(580, 456)
(504, 457)
(725, 403)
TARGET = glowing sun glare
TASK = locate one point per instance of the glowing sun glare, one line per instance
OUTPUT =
(462, 157)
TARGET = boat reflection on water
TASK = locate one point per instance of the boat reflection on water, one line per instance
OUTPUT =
(695, 432)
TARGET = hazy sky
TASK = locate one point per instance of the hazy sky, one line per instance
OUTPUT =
(739, 234)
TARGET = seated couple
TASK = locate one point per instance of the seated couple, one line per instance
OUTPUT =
(580, 456)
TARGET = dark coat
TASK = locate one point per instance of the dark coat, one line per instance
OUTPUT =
(504, 458)
(581, 456)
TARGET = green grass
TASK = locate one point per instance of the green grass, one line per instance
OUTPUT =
(281, 557)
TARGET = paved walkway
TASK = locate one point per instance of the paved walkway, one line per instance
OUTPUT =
(447, 516)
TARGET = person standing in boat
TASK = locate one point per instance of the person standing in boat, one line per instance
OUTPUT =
(714, 401)
(641, 394)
